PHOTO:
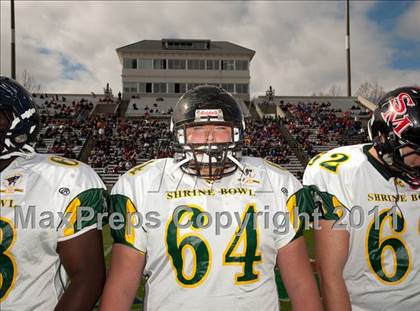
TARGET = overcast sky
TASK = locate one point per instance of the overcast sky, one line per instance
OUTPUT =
(69, 47)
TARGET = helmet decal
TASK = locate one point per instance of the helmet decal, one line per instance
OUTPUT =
(395, 125)
(396, 115)
(208, 115)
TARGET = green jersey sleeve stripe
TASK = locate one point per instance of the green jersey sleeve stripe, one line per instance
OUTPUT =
(327, 204)
(298, 204)
(123, 233)
(83, 210)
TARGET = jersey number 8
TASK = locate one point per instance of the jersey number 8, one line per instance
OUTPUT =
(7, 263)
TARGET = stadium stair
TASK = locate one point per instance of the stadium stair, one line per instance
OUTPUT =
(298, 159)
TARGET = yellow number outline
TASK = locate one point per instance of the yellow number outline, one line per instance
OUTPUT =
(137, 169)
(178, 242)
(10, 256)
(243, 237)
(395, 235)
(315, 158)
(332, 158)
(64, 161)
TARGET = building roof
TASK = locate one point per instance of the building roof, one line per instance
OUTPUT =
(215, 47)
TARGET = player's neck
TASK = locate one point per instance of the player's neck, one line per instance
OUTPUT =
(205, 171)
(374, 153)
(5, 163)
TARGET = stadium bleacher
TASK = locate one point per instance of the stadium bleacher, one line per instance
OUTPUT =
(117, 144)
(64, 137)
(151, 106)
(161, 107)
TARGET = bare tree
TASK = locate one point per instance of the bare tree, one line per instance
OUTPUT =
(371, 91)
(335, 90)
(29, 83)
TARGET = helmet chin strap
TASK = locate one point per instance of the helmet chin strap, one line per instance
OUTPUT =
(235, 161)
(187, 159)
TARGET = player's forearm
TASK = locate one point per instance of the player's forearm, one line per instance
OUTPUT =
(306, 297)
(82, 293)
(124, 278)
(334, 293)
(116, 296)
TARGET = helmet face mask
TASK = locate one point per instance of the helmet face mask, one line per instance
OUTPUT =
(209, 160)
(395, 132)
(412, 173)
(207, 105)
(5, 119)
(23, 120)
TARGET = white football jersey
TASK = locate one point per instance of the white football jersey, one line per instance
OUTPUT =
(35, 191)
(382, 270)
(193, 264)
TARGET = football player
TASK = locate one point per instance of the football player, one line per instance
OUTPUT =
(368, 245)
(51, 254)
(188, 263)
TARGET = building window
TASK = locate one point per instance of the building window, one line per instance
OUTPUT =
(196, 64)
(177, 64)
(130, 63)
(228, 64)
(193, 85)
(176, 88)
(159, 63)
(241, 65)
(230, 87)
(213, 64)
(145, 87)
(130, 87)
(242, 88)
(145, 63)
(159, 87)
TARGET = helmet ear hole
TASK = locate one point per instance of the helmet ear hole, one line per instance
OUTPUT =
(180, 136)
(388, 147)
(384, 148)
(236, 135)
(21, 139)
(385, 144)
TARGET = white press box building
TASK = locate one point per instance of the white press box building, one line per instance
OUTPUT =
(157, 72)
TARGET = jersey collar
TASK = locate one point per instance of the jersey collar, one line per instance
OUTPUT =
(12, 165)
(376, 164)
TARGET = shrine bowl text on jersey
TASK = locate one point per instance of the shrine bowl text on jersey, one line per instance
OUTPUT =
(36, 192)
(196, 267)
(382, 271)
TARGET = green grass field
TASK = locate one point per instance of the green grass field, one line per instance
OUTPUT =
(138, 304)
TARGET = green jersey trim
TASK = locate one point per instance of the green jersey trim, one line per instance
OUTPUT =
(123, 233)
(326, 203)
(301, 199)
(95, 199)
(376, 164)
